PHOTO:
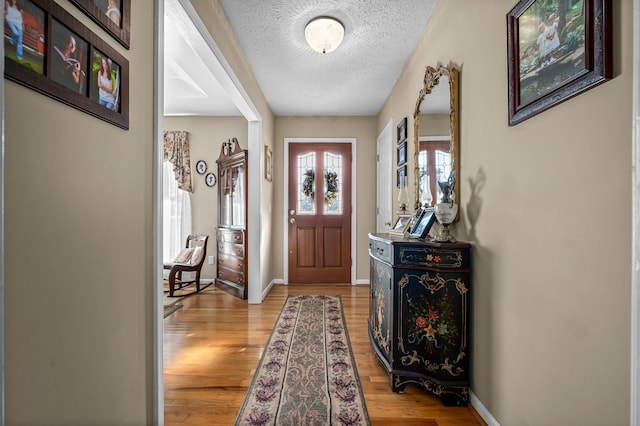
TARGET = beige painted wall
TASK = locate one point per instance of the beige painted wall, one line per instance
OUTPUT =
(361, 128)
(78, 251)
(433, 124)
(551, 282)
(206, 135)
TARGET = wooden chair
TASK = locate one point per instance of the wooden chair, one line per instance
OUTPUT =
(190, 259)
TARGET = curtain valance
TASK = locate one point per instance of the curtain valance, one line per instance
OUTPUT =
(176, 151)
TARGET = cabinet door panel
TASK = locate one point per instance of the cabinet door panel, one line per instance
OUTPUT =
(381, 306)
(432, 323)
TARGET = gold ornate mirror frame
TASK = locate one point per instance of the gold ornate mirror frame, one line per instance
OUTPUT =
(431, 79)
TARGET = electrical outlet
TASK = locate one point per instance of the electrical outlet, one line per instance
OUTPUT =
(212, 259)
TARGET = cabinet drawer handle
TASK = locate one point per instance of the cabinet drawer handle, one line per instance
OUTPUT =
(379, 251)
(236, 237)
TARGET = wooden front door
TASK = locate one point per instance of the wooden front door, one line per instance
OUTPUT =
(319, 212)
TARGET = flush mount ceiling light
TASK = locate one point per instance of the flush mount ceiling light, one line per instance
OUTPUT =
(324, 34)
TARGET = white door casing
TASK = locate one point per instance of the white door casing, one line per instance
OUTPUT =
(384, 174)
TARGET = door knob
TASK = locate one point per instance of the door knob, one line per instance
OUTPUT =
(292, 212)
(292, 220)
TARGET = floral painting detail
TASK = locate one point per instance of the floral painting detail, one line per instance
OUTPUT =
(425, 256)
(382, 338)
(432, 323)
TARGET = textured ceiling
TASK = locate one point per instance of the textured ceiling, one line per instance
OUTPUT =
(355, 79)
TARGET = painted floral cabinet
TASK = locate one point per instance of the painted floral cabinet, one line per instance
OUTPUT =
(419, 314)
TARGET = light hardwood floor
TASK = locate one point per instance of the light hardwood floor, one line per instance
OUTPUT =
(213, 344)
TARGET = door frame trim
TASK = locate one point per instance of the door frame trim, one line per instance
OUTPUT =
(221, 71)
(635, 226)
(386, 134)
(354, 206)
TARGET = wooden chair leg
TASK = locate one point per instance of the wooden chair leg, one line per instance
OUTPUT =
(172, 282)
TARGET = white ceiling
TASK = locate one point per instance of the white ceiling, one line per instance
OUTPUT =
(355, 79)
(189, 85)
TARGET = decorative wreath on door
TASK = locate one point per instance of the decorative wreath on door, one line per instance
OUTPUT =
(331, 180)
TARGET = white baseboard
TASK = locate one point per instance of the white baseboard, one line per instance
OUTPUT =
(362, 282)
(482, 410)
(266, 291)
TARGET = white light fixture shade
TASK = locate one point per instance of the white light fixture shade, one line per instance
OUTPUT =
(324, 34)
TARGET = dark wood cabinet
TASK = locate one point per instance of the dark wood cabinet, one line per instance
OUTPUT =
(231, 235)
(419, 314)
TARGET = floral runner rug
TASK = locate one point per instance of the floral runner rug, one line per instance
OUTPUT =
(307, 374)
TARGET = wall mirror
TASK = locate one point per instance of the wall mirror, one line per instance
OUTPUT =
(435, 131)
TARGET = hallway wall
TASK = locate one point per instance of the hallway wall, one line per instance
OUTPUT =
(547, 207)
(78, 251)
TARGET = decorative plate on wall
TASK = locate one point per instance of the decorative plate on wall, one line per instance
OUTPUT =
(210, 179)
(201, 167)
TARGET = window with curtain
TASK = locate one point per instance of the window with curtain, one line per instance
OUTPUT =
(176, 186)
(176, 214)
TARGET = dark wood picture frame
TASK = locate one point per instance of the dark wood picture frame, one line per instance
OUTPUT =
(402, 130)
(424, 223)
(57, 88)
(549, 60)
(402, 153)
(401, 176)
(120, 32)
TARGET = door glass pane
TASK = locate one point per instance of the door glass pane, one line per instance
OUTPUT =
(306, 183)
(443, 169)
(238, 196)
(232, 195)
(423, 164)
(226, 198)
(332, 183)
